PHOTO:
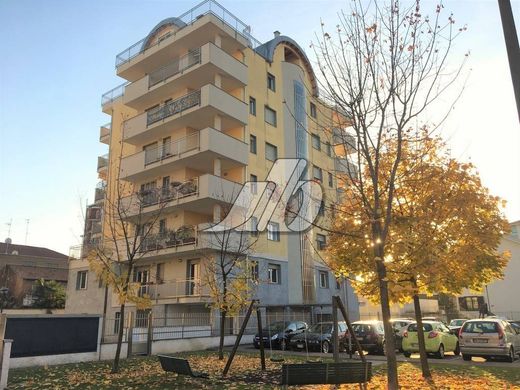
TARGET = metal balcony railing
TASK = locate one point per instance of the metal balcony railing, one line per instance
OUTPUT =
(189, 17)
(175, 67)
(174, 107)
(102, 162)
(171, 149)
(114, 93)
(175, 191)
(185, 235)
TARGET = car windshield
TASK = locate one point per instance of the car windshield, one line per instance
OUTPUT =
(321, 328)
(276, 327)
(426, 327)
(480, 327)
(457, 322)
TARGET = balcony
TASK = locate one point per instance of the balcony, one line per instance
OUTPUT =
(176, 291)
(198, 195)
(99, 194)
(198, 149)
(111, 96)
(102, 165)
(344, 165)
(341, 138)
(104, 134)
(193, 28)
(191, 71)
(197, 110)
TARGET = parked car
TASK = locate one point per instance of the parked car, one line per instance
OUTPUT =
(456, 324)
(318, 337)
(399, 325)
(489, 337)
(515, 325)
(370, 334)
(438, 339)
(278, 334)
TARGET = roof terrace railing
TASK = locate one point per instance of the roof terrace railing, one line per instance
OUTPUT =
(204, 8)
(114, 93)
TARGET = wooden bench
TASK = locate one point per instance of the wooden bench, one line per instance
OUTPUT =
(326, 373)
(179, 366)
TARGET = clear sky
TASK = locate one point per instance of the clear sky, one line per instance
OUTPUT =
(58, 57)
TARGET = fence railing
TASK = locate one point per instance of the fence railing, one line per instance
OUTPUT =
(175, 67)
(176, 106)
(204, 8)
(114, 93)
(171, 149)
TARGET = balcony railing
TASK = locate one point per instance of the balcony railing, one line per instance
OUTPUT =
(113, 94)
(175, 191)
(99, 193)
(172, 289)
(174, 107)
(206, 7)
(171, 149)
(102, 162)
(176, 67)
(185, 235)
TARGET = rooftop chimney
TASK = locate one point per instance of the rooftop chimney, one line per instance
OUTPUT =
(276, 33)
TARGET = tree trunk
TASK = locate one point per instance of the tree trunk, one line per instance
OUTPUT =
(420, 335)
(222, 334)
(115, 364)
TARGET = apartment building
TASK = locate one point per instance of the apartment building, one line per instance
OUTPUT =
(203, 109)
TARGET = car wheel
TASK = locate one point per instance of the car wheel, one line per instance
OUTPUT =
(466, 357)
(407, 354)
(440, 352)
(511, 357)
(325, 347)
(457, 350)
(283, 345)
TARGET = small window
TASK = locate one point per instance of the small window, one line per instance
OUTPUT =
(313, 110)
(270, 116)
(252, 144)
(331, 180)
(321, 241)
(317, 173)
(271, 82)
(81, 280)
(328, 148)
(273, 231)
(117, 322)
(324, 279)
(254, 226)
(271, 152)
(316, 142)
(252, 105)
(273, 273)
(254, 186)
(141, 318)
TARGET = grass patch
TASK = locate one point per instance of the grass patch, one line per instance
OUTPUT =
(245, 373)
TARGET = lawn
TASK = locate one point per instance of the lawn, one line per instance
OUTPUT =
(146, 373)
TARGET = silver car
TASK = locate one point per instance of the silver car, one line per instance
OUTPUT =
(489, 337)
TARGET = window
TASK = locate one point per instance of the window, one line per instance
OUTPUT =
(324, 279)
(273, 231)
(270, 116)
(273, 273)
(271, 82)
(141, 318)
(81, 280)
(316, 142)
(254, 186)
(480, 327)
(254, 226)
(331, 180)
(321, 209)
(317, 173)
(328, 149)
(321, 241)
(117, 322)
(162, 227)
(471, 303)
(313, 110)
(252, 105)
(254, 270)
(252, 144)
(271, 152)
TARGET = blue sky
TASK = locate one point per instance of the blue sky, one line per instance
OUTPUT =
(58, 58)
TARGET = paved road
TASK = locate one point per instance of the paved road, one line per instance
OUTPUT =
(449, 358)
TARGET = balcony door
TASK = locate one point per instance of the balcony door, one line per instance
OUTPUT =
(194, 277)
(142, 276)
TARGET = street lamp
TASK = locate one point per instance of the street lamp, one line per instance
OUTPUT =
(3, 297)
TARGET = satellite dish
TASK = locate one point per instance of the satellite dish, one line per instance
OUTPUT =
(8, 241)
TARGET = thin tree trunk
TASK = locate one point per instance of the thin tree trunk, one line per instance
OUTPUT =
(420, 335)
(222, 334)
(115, 364)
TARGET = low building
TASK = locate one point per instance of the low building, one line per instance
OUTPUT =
(22, 265)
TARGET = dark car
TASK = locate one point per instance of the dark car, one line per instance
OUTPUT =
(399, 325)
(278, 334)
(370, 334)
(318, 337)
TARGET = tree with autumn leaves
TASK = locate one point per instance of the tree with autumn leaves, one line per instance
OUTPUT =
(445, 232)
